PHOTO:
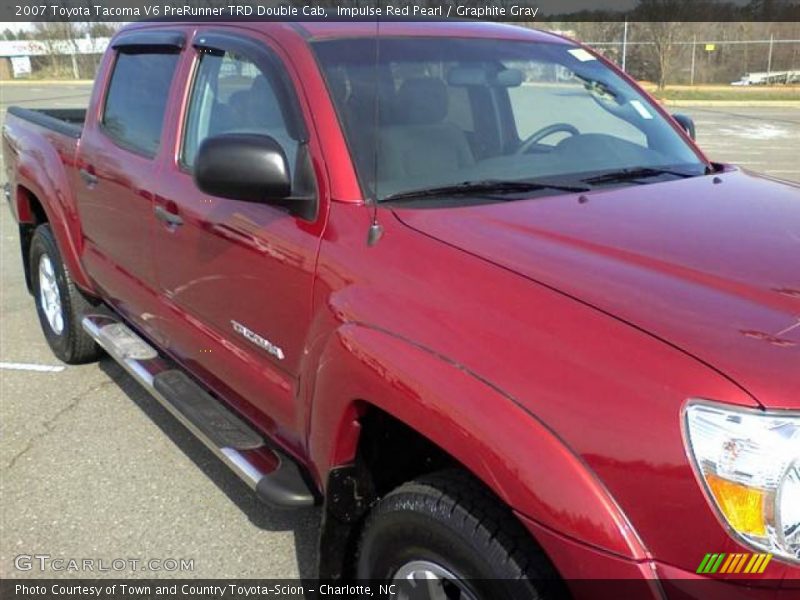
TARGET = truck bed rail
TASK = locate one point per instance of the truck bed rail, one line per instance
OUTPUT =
(67, 121)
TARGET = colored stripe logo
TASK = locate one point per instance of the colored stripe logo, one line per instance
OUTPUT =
(752, 564)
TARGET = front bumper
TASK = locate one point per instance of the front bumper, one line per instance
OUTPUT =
(593, 573)
(679, 584)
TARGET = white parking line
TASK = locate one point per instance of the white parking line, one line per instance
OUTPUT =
(31, 367)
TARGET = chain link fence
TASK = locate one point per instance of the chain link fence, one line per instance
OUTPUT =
(665, 53)
(699, 53)
(751, 62)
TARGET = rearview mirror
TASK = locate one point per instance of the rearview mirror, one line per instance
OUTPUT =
(243, 166)
(686, 123)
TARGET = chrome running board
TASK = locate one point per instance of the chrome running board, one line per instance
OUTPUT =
(274, 477)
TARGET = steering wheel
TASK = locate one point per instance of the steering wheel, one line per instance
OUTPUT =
(544, 132)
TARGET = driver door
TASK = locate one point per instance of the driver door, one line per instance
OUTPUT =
(238, 275)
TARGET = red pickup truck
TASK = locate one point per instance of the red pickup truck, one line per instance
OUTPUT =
(464, 284)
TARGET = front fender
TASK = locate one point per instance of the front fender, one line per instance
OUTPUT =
(526, 464)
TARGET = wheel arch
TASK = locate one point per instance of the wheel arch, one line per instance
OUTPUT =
(369, 377)
(30, 214)
(37, 200)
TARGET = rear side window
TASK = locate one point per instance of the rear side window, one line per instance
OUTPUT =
(137, 99)
(231, 94)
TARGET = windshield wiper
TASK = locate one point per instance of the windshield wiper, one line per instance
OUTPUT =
(632, 174)
(485, 186)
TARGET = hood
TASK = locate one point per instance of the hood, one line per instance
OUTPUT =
(709, 264)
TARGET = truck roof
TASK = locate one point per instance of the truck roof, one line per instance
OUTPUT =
(317, 30)
(480, 29)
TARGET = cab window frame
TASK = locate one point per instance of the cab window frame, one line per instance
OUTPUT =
(139, 47)
(265, 59)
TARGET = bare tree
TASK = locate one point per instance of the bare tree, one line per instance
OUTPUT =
(663, 35)
(63, 40)
(663, 26)
(601, 31)
(54, 35)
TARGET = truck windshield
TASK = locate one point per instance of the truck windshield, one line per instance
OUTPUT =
(428, 113)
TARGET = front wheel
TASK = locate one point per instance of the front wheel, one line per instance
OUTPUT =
(443, 536)
(59, 304)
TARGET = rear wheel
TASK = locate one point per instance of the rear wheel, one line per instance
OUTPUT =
(59, 304)
(443, 536)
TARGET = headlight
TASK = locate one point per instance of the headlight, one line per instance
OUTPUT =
(749, 462)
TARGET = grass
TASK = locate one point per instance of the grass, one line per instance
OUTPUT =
(725, 92)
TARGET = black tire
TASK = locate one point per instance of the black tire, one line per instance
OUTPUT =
(71, 344)
(449, 519)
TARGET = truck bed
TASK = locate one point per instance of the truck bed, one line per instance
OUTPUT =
(43, 144)
(67, 121)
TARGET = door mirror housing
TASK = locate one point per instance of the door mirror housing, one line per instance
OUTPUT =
(687, 123)
(243, 166)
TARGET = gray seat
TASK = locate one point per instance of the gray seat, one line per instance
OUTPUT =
(422, 145)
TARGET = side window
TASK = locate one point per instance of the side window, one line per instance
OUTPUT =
(137, 98)
(233, 95)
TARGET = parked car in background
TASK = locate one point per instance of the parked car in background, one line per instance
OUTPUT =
(769, 78)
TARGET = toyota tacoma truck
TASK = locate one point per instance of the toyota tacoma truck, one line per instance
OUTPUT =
(465, 285)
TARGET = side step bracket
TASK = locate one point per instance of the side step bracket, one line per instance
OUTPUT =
(275, 477)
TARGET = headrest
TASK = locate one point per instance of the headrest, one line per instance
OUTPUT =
(361, 103)
(423, 100)
(480, 76)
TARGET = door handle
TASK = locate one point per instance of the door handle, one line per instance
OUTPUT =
(162, 214)
(88, 177)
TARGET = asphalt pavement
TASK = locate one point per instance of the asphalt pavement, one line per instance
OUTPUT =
(762, 139)
(93, 468)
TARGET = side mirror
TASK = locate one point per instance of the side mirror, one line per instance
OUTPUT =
(687, 123)
(243, 166)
